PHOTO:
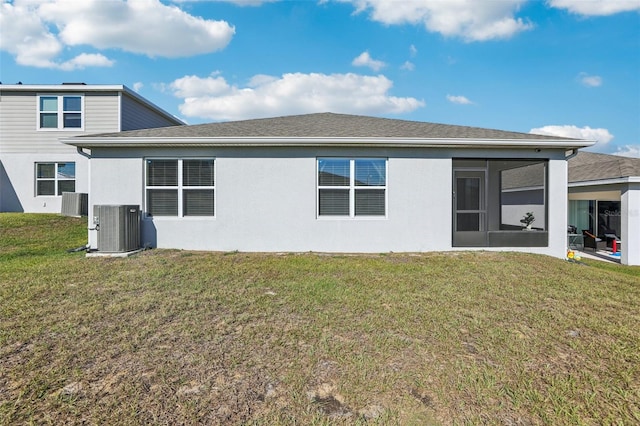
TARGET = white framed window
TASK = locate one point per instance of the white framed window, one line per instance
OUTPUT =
(352, 187)
(180, 187)
(60, 112)
(52, 179)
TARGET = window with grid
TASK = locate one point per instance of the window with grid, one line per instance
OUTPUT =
(180, 187)
(60, 112)
(352, 187)
(55, 178)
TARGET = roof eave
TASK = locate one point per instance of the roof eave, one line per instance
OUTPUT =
(63, 87)
(610, 181)
(141, 142)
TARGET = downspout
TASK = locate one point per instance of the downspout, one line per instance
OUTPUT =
(568, 155)
(86, 155)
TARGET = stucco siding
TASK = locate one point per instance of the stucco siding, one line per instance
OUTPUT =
(266, 200)
(558, 207)
(18, 182)
(136, 115)
(630, 205)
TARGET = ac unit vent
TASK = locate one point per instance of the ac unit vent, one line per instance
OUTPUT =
(118, 227)
(74, 204)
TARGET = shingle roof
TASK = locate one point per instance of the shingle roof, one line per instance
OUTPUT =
(329, 125)
(589, 166)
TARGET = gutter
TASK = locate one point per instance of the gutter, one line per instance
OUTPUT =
(157, 142)
(612, 181)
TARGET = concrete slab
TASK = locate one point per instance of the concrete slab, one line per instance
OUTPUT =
(104, 254)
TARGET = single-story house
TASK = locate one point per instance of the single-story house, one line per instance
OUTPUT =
(335, 183)
(604, 200)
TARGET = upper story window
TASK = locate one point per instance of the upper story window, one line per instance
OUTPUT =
(352, 187)
(180, 187)
(60, 112)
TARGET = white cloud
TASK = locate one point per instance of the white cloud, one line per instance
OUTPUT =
(296, 93)
(459, 100)
(590, 80)
(471, 20)
(601, 136)
(365, 60)
(36, 32)
(628, 151)
(596, 7)
(25, 36)
(84, 60)
(192, 86)
(413, 51)
(236, 2)
(137, 86)
(408, 66)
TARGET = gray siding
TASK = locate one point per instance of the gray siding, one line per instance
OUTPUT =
(19, 122)
(101, 112)
(136, 115)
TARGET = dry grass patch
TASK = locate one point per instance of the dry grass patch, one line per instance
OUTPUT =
(213, 338)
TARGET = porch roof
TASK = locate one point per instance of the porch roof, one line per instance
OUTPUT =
(589, 167)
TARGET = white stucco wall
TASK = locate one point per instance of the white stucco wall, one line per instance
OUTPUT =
(266, 201)
(18, 181)
(557, 209)
(630, 206)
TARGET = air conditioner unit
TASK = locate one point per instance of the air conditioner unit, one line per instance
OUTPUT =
(118, 227)
(74, 204)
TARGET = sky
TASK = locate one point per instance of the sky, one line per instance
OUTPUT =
(560, 67)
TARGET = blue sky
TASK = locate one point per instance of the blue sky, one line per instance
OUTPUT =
(564, 67)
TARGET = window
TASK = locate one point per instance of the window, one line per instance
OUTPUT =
(352, 187)
(55, 178)
(180, 187)
(60, 112)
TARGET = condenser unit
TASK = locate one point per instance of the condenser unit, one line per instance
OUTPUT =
(74, 204)
(118, 227)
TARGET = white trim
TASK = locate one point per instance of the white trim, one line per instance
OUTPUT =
(55, 179)
(60, 112)
(612, 181)
(157, 142)
(352, 188)
(119, 111)
(180, 188)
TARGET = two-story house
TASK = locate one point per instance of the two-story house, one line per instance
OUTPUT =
(35, 168)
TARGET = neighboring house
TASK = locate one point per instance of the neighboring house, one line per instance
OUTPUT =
(604, 199)
(334, 183)
(35, 168)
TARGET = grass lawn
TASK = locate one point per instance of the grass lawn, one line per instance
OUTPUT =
(179, 337)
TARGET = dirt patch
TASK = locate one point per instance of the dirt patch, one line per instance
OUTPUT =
(330, 406)
(423, 397)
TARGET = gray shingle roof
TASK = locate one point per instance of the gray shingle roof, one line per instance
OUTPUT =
(589, 166)
(328, 125)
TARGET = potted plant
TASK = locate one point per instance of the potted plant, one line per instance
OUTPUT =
(527, 220)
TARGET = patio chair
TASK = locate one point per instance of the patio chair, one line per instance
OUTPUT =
(593, 242)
